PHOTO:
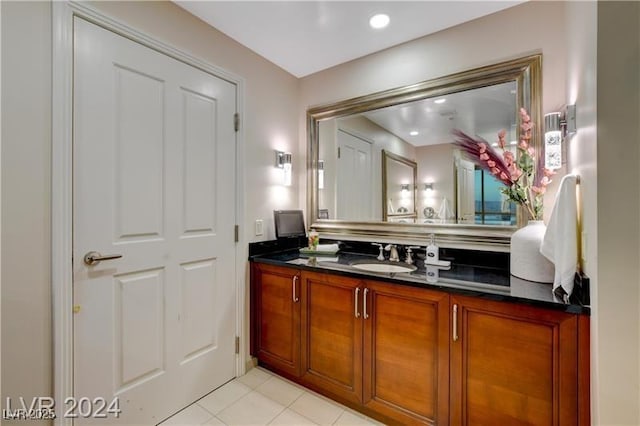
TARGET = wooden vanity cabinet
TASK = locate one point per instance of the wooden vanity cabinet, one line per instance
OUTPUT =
(412, 355)
(514, 364)
(275, 337)
(406, 353)
(332, 335)
(380, 345)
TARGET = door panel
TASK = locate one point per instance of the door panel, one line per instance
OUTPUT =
(466, 191)
(139, 327)
(354, 186)
(200, 153)
(154, 178)
(198, 296)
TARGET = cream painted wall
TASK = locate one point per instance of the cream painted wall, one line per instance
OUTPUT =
(582, 155)
(26, 156)
(617, 321)
(435, 164)
(508, 34)
(271, 105)
(610, 220)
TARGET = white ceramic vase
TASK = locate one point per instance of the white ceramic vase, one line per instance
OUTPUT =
(526, 260)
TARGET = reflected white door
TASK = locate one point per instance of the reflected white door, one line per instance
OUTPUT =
(154, 173)
(354, 187)
(466, 191)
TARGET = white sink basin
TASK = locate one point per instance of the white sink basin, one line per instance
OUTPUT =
(384, 267)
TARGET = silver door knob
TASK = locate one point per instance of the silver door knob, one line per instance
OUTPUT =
(94, 257)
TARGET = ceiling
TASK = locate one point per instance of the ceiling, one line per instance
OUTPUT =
(482, 111)
(304, 37)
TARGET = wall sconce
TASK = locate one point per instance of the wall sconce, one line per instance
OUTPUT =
(320, 174)
(283, 161)
(404, 188)
(556, 129)
(428, 186)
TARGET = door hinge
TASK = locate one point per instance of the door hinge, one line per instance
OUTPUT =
(338, 152)
(237, 345)
(236, 121)
(236, 233)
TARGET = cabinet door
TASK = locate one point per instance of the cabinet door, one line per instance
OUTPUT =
(276, 317)
(406, 353)
(512, 364)
(332, 335)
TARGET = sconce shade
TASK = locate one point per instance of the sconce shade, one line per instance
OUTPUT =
(428, 186)
(283, 161)
(552, 141)
(320, 174)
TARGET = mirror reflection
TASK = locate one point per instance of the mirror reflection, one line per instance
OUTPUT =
(369, 156)
(398, 188)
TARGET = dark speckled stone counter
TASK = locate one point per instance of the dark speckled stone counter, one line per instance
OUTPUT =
(479, 275)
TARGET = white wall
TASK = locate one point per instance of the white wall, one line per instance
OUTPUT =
(271, 106)
(26, 157)
(582, 155)
(617, 321)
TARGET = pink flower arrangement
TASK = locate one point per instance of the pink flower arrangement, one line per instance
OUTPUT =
(525, 178)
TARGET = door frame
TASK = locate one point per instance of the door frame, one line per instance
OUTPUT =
(63, 14)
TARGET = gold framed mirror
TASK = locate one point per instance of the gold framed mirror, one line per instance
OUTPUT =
(328, 123)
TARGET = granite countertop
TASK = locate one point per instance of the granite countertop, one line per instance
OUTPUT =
(464, 277)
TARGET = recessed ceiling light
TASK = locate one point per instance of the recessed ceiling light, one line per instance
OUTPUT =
(440, 101)
(513, 143)
(494, 144)
(414, 133)
(379, 21)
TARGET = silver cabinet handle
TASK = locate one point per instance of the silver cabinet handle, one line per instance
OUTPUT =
(364, 304)
(94, 257)
(355, 309)
(293, 284)
(455, 322)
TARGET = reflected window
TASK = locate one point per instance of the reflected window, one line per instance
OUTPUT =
(491, 206)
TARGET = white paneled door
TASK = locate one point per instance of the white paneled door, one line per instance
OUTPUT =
(354, 178)
(154, 182)
(466, 191)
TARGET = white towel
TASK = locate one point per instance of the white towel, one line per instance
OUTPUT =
(444, 213)
(560, 242)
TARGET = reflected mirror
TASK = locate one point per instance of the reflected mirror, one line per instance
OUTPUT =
(398, 188)
(362, 142)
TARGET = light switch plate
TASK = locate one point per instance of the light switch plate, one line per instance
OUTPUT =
(259, 230)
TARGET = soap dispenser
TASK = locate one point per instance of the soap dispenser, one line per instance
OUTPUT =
(433, 252)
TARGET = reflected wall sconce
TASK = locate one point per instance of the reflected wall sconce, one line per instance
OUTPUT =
(404, 188)
(557, 127)
(320, 174)
(428, 186)
(283, 161)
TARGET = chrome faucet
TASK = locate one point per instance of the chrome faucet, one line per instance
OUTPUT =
(409, 260)
(381, 254)
(393, 252)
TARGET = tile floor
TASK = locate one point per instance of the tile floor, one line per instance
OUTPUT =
(262, 398)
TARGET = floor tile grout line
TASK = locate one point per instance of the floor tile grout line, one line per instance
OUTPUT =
(342, 409)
